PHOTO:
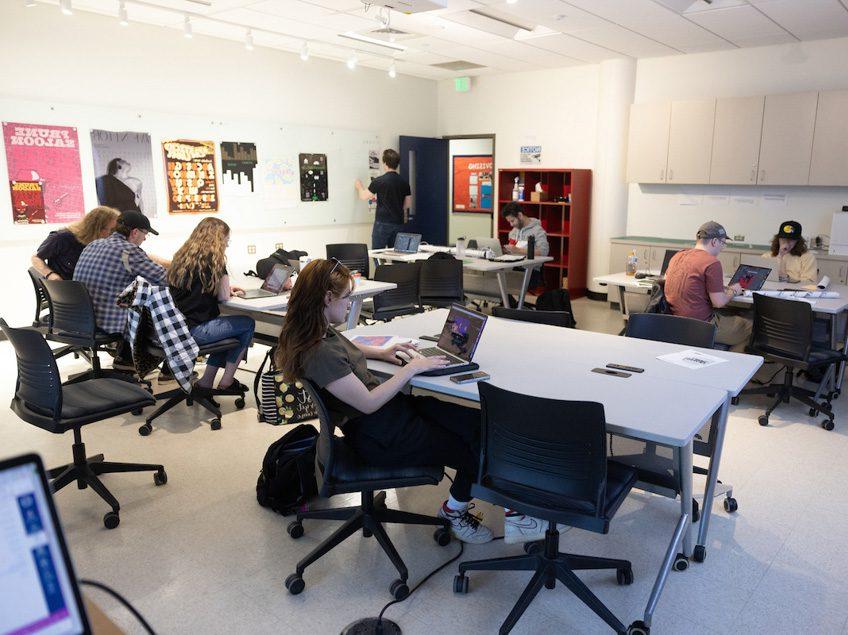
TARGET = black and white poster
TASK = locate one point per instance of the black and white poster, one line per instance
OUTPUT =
(313, 177)
(123, 168)
(238, 165)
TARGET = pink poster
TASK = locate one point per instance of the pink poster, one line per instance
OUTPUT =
(49, 157)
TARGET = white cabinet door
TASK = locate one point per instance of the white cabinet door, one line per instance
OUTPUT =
(647, 149)
(736, 140)
(787, 143)
(829, 164)
(834, 269)
(618, 256)
(690, 141)
(658, 254)
(729, 262)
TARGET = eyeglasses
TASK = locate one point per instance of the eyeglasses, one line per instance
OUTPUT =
(335, 266)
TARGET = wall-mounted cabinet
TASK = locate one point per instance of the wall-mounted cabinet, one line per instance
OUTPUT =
(829, 165)
(736, 140)
(787, 143)
(690, 141)
(647, 157)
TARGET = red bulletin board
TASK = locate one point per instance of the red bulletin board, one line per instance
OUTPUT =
(473, 183)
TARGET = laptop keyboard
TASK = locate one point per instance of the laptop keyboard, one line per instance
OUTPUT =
(435, 352)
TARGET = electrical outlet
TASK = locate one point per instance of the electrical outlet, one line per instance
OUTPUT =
(739, 237)
(278, 245)
(251, 249)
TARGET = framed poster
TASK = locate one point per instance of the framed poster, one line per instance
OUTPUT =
(190, 170)
(473, 185)
(123, 168)
(238, 162)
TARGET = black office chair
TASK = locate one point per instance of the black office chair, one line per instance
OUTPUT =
(783, 333)
(341, 471)
(354, 256)
(402, 300)
(672, 329)
(551, 318)
(42, 400)
(440, 282)
(42, 315)
(547, 458)
(556, 300)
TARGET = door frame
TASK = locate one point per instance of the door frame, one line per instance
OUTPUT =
(449, 207)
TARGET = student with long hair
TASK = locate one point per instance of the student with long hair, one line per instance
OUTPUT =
(57, 256)
(795, 263)
(384, 426)
(199, 281)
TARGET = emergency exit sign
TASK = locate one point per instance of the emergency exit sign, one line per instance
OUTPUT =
(462, 84)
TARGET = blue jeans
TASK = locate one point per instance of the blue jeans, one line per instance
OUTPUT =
(383, 234)
(239, 327)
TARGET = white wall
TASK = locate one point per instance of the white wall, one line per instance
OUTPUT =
(467, 224)
(88, 59)
(655, 210)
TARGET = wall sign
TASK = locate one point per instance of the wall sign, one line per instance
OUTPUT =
(531, 155)
(190, 170)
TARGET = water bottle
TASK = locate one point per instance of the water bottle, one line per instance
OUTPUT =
(460, 247)
(521, 191)
(515, 190)
(630, 265)
(531, 247)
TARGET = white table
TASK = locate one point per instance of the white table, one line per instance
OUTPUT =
(472, 264)
(666, 404)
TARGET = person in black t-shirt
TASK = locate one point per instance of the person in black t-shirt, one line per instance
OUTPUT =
(57, 256)
(199, 280)
(394, 199)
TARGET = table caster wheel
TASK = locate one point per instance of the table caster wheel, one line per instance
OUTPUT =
(762, 420)
(827, 424)
(730, 505)
(111, 520)
(460, 584)
(681, 563)
(399, 590)
(700, 553)
(295, 529)
(137, 412)
(295, 583)
(160, 478)
(240, 403)
(442, 537)
(624, 576)
(215, 424)
(145, 430)
(638, 628)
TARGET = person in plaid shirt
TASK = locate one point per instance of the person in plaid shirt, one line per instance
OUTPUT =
(109, 265)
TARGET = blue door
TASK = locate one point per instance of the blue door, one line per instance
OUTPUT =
(424, 164)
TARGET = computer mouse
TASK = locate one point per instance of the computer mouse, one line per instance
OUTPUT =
(404, 357)
(642, 275)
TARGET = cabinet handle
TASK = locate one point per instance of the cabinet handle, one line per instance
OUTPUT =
(762, 176)
(662, 175)
(753, 174)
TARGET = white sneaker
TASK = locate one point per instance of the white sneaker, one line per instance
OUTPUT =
(465, 526)
(519, 528)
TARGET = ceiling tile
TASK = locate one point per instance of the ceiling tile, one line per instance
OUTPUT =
(554, 14)
(623, 41)
(574, 47)
(810, 19)
(290, 8)
(744, 26)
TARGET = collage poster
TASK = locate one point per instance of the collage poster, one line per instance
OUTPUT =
(190, 171)
(472, 183)
(123, 169)
(45, 178)
(313, 177)
(238, 163)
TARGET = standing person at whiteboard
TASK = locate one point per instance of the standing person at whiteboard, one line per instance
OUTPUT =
(394, 199)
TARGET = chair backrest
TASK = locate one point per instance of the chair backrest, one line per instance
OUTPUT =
(354, 256)
(551, 318)
(782, 328)
(545, 452)
(72, 317)
(325, 446)
(405, 276)
(41, 303)
(556, 300)
(39, 385)
(441, 280)
(673, 329)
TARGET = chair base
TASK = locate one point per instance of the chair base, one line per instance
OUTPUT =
(86, 470)
(202, 398)
(787, 390)
(550, 565)
(369, 517)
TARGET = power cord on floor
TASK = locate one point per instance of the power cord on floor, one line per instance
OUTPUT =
(122, 600)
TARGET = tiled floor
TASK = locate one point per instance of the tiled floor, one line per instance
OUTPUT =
(200, 556)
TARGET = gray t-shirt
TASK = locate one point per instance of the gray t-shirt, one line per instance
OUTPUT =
(332, 358)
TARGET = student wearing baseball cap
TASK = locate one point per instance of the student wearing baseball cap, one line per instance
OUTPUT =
(796, 263)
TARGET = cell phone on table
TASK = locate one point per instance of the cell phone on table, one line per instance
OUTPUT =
(625, 368)
(467, 378)
(609, 371)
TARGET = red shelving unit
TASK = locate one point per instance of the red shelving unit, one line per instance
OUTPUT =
(567, 224)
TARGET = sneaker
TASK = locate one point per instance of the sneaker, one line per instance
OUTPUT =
(465, 526)
(123, 366)
(520, 528)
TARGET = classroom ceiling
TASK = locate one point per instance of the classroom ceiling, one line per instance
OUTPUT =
(494, 36)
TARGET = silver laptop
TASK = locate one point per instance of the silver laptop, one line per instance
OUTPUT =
(767, 263)
(460, 336)
(489, 243)
(38, 587)
(405, 244)
(273, 285)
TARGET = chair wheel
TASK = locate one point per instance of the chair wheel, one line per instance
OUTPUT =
(442, 537)
(734, 401)
(624, 576)
(367, 533)
(145, 430)
(399, 590)
(533, 547)
(111, 520)
(827, 424)
(730, 505)
(638, 628)
(762, 420)
(835, 394)
(295, 529)
(295, 583)
(240, 403)
(215, 424)
(160, 478)
(681, 563)
(137, 412)
(812, 412)
(700, 553)
(460, 584)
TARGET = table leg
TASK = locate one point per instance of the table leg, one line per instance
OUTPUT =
(528, 271)
(353, 314)
(622, 306)
(501, 276)
(665, 568)
(684, 458)
(720, 422)
(841, 372)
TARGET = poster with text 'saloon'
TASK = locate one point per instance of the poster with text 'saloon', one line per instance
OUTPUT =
(190, 170)
(45, 179)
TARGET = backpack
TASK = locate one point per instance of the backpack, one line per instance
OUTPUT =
(287, 480)
(657, 302)
(281, 257)
(279, 401)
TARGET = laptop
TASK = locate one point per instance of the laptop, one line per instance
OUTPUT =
(488, 243)
(669, 254)
(38, 587)
(273, 284)
(750, 278)
(405, 244)
(766, 263)
(458, 341)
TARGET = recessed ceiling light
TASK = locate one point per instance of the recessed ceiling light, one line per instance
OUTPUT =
(304, 51)
(393, 70)
(351, 62)
(123, 19)
(248, 40)
(187, 32)
(65, 6)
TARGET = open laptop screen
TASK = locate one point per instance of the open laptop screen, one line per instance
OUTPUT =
(461, 332)
(277, 278)
(38, 590)
(669, 254)
(750, 278)
(407, 242)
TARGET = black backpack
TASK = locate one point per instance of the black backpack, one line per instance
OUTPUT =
(287, 480)
(657, 302)
(281, 256)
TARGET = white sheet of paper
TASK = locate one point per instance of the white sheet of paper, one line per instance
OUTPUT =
(692, 359)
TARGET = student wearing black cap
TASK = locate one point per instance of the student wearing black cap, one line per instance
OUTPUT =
(796, 263)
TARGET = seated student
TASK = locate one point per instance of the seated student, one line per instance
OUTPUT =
(57, 256)
(522, 228)
(795, 263)
(694, 287)
(199, 281)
